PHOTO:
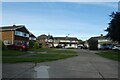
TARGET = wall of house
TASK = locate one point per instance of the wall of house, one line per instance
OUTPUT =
(71, 46)
(7, 36)
(21, 36)
(66, 43)
(43, 43)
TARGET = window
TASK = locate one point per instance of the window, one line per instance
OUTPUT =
(17, 33)
(25, 34)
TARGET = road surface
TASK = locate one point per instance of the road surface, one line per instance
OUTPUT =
(86, 65)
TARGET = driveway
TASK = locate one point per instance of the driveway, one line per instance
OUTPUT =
(86, 65)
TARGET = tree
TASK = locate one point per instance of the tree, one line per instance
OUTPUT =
(31, 44)
(114, 27)
(36, 45)
(93, 44)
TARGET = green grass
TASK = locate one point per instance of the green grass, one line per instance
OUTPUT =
(12, 56)
(36, 58)
(42, 49)
(26, 59)
(114, 55)
(53, 50)
(12, 53)
(59, 56)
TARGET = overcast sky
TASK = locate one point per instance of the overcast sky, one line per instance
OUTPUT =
(81, 20)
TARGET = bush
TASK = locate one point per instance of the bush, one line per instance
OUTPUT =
(93, 44)
(2, 44)
(31, 44)
(36, 45)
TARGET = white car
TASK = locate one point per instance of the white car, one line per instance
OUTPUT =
(117, 47)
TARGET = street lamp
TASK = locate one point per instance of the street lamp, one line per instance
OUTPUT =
(66, 39)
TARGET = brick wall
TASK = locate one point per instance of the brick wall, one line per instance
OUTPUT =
(7, 35)
(42, 41)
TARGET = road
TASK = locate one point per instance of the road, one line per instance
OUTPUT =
(86, 65)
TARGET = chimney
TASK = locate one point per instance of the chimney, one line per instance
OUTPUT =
(101, 35)
(14, 25)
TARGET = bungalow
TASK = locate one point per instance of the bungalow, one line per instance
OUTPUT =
(14, 34)
(98, 41)
(66, 42)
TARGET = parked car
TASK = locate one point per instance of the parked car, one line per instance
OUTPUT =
(80, 47)
(106, 47)
(116, 47)
(19, 46)
(59, 46)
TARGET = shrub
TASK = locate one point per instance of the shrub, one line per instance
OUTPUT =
(2, 44)
(93, 44)
(31, 44)
(36, 45)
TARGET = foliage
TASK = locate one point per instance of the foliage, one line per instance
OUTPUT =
(114, 27)
(93, 44)
(31, 44)
(36, 45)
(80, 41)
(2, 44)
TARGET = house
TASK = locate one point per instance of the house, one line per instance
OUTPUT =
(66, 42)
(14, 34)
(32, 37)
(98, 41)
(46, 41)
(42, 40)
(50, 41)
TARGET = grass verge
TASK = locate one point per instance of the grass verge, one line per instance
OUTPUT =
(53, 50)
(114, 55)
(12, 56)
(36, 58)
(12, 53)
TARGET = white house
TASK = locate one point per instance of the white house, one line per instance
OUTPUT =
(66, 42)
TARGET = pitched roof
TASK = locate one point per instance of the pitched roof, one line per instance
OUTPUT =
(98, 38)
(65, 38)
(43, 36)
(31, 35)
(13, 27)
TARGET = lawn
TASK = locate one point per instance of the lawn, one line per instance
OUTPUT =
(12, 53)
(114, 55)
(53, 50)
(10, 56)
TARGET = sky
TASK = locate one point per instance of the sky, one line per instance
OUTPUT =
(78, 19)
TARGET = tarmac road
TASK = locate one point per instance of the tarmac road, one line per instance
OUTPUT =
(86, 65)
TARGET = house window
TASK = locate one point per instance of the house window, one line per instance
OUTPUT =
(25, 34)
(17, 33)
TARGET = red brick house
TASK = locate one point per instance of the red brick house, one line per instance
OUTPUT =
(14, 34)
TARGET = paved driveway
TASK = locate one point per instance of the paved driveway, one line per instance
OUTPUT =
(85, 65)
